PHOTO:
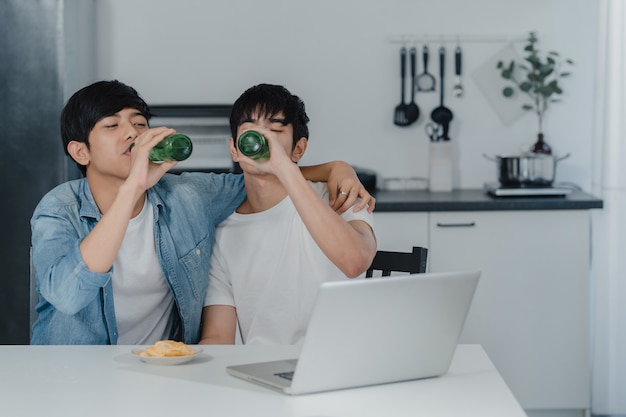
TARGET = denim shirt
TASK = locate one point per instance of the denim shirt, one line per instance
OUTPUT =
(76, 305)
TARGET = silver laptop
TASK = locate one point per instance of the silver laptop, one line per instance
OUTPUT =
(374, 331)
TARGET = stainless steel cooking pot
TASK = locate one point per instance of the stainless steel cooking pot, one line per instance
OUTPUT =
(526, 170)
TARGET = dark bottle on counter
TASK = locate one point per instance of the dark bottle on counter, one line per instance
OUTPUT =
(540, 146)
(176, 147)
(253, 145)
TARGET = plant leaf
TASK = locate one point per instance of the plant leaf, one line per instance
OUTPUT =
(553, 85)
(511, 67)
(525, 86)
(507, 92)
(545, 91)
(545, 71)
(534, 78)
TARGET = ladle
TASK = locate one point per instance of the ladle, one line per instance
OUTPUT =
(442, 115)
(412, 111)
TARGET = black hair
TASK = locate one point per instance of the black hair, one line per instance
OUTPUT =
(93, 103)
(267, 100)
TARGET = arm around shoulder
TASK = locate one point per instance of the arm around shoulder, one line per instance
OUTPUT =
(344, 187)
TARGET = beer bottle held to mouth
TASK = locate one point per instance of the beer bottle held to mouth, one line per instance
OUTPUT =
(176, 147)
(253, 145)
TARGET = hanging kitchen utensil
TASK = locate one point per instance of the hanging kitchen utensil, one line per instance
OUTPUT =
(442, 115)
(458, 87)
(412, 111)
(400, 116)
(433, 131)
(425, 81)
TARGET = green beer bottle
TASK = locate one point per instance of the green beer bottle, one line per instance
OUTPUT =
(176, 147)
(253, 145)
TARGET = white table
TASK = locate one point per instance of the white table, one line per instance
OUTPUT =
(93, 381)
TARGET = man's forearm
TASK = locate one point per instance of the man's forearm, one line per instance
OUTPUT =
(349, 249)
(321, 172)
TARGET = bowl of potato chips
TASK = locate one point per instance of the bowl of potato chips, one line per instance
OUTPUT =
(167, 352)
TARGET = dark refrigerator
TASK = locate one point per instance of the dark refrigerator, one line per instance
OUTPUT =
(47, 51)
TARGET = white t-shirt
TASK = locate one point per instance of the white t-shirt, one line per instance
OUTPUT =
(269, 267)
(143, 301)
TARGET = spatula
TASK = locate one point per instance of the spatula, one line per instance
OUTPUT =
(400, 117)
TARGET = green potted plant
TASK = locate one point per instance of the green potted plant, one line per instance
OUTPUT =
(538, 78)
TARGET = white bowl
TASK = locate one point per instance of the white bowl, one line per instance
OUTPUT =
(166, 360)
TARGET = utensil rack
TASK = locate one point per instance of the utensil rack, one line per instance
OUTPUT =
(410, 39)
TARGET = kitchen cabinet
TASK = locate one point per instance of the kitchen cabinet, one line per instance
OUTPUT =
(531, 308)
(400, 231)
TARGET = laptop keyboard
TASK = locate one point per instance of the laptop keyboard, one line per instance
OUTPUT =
(285, 375)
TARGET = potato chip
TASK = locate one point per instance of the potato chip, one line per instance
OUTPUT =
(164, 348)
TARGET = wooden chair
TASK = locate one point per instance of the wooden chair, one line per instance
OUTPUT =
(387, 262)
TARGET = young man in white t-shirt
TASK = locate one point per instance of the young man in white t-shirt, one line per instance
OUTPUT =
(283, 241)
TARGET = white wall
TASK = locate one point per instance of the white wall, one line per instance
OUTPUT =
(339, 57)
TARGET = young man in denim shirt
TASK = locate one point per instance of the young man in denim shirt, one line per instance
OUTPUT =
(122, 255)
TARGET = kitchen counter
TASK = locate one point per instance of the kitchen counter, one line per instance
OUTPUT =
(478, 200)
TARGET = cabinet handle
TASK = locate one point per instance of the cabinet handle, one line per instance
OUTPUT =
(470, 224)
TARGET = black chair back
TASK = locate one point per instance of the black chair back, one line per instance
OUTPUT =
(410, 262)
